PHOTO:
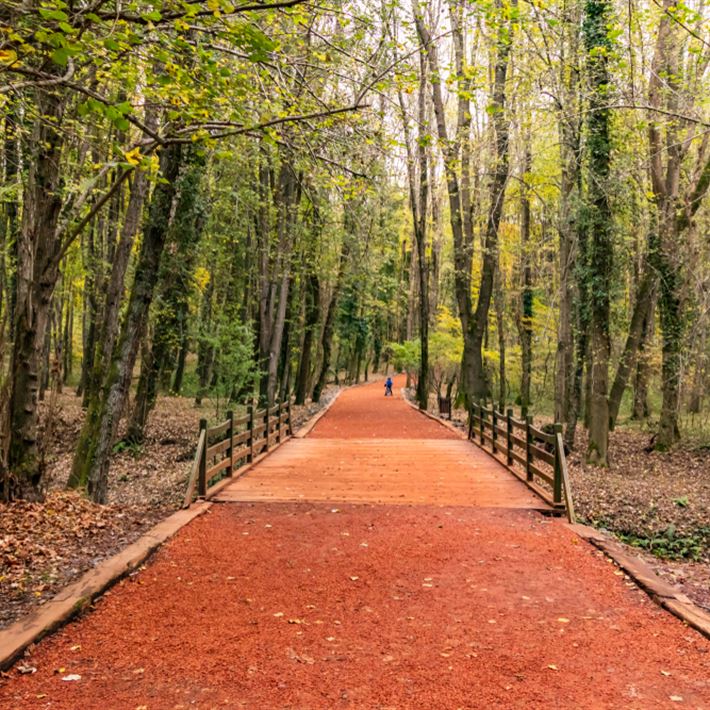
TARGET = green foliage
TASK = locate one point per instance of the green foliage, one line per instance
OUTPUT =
(234, 368)
(445, 349)
(405, 356)
(132, 448)
(668, 545)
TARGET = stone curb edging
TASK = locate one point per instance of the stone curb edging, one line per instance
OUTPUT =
(69, 602)
(665, 595)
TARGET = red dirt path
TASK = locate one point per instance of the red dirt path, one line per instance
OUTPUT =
(364, 412)
(322, 605)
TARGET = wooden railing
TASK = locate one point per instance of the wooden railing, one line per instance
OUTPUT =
(224, 448)
(535, 456)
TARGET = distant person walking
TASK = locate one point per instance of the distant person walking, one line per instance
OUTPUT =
(388, 387)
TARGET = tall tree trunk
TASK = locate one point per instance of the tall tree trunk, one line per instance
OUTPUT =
(420, 234)
(570, 155)
(10, 229)
(173, 290)
(641, 409)
(37, 274)
(499, 302)
(329, 322)
(674, 210)
(477, 376)
(205, 349)
(643, 305)
(91, 307)
(418, 177)
(310, 325)
(672, 328)
(597, 44)
(526, 292)
(68, 337)
(457, 189)
(92, 459)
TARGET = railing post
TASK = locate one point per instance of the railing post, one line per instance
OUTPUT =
(202, 475)
(268, 424)
(509, 436)
(557, 484)
(470, 421)
(482, 423)
(494, 433)
(250, 455)
(230, 431)
(279, 412)
(528, 452)
(290, 423)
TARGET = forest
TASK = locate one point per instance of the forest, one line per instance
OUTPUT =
(241, 202)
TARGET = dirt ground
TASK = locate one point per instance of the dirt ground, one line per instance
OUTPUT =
(315, 605)
(46, 546)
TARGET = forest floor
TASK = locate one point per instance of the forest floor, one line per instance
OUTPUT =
(46, 546)
(657, 503)
(317, 604)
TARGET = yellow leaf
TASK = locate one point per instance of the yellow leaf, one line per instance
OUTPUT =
(8, 56)
(133, 156)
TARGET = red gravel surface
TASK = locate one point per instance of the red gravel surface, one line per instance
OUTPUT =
(323, 605)
(364, 412)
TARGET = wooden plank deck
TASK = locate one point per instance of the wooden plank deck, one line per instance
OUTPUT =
(392, 471)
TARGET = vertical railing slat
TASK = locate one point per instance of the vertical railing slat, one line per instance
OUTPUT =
(509, 436)
(202, 477)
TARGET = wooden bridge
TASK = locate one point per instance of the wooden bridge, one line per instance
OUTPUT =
(384, 454)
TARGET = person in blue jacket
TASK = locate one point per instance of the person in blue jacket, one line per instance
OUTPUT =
(388, 387)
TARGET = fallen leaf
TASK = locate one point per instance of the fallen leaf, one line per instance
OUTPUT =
(72, 676)
(26, 670)
(562, 620)
(552, 667)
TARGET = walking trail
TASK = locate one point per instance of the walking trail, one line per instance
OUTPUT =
(380, 562)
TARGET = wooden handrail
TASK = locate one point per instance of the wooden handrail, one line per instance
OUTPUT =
(218, 453)
(499, 435)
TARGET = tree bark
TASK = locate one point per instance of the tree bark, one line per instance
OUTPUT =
(599, 218)
(642, 308)
(173, 291)
(92, 459)
(526, 293)
(311, 322)
(329, 322)
(37, 274)
(569, 129)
